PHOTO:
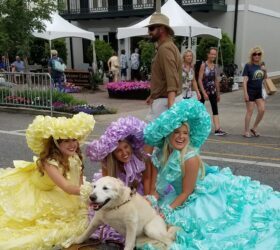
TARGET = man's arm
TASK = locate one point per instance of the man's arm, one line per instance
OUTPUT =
(171, 72)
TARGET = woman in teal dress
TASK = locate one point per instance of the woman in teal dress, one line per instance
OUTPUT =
(213, 208)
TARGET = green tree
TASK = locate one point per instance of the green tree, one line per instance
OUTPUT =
(18, 19)
(60, 46)
(103, 52)
(227, 48)
(147, 50)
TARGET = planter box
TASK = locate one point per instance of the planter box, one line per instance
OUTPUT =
(138, 94)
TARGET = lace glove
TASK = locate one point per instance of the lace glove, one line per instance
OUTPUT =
(85, 191)
(152, 199)
(166, 210)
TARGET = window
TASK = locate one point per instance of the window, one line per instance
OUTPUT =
(86, 45)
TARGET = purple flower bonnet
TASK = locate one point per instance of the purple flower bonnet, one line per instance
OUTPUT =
(129, 128)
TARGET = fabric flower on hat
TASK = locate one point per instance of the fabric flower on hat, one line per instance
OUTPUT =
(43, 127)
(188, 111)
(129, 128)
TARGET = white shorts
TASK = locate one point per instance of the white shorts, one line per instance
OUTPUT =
(159, 106)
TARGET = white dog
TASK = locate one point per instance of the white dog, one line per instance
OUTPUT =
(127, 212)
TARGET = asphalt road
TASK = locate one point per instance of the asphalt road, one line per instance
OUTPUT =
(258, 158)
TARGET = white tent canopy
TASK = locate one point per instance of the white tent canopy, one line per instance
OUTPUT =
(180, 21)
(60, 28)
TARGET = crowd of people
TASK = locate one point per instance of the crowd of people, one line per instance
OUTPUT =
(43, 203)
(56, 68)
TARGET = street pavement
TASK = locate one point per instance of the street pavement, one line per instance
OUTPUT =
(258, 158)
(255, 157)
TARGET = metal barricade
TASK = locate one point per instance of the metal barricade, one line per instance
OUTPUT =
(32, 90)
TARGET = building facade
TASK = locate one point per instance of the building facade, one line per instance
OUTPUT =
(247, 22)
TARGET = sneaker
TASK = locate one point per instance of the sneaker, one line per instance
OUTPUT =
(220, 132)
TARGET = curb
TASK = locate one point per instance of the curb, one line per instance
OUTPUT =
(33, 111)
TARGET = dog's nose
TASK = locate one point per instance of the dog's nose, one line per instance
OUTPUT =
(93, 197)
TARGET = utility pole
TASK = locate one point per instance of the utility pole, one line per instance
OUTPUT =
(158, 6)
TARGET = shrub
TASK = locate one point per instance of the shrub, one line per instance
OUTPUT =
(95, 80)
(227, 47)
(103, 52)
(60, 46)
(147, 50)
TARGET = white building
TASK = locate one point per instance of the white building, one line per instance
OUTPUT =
(254, 22)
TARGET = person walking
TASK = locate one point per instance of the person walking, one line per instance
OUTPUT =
(135, 65)
(114, 66)
(56, 69)
(210, 88)
(166, 69)
(190, 88)
(166, 74)
(254, 73)
(123, 61)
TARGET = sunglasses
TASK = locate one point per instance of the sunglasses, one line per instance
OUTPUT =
(256, 54)
(152, 28)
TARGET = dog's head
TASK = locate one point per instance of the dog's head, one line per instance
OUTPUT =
(107, 192)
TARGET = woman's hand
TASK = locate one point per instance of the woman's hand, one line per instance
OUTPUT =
(205, 96)
(246, 97)
(218, 97)
(152, 200)
(263, 68)
(198, 95)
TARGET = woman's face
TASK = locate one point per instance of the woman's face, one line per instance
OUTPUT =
(188, 57)
(212, 55)
(123, 152)
(68, 147)
(256, 56)
(180, 137)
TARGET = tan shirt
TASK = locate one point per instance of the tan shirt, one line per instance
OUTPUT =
(114, 62)
(166, 70)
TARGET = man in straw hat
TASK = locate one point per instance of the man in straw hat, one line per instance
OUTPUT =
(166, 84)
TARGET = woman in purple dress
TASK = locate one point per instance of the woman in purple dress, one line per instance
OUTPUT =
(120, 151)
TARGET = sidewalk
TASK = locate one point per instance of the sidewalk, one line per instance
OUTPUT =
(231, 110)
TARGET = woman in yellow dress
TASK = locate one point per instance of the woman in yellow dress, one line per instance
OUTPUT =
(42, 203)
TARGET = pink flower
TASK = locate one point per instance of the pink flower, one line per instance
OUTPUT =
(127, 86)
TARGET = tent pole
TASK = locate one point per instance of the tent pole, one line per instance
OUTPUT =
(220, 48)
(94, 63)
(190, 38)
(158, 6)
(50, 44)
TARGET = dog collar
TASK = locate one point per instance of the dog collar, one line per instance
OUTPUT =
(133, 192)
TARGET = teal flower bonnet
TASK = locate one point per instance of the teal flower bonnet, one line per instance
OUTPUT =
(188, 111)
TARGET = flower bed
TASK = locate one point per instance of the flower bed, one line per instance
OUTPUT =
(86, 108)
(70, 88)
(62, 102)
(129, 90)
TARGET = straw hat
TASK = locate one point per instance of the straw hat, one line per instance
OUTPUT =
(160, 19)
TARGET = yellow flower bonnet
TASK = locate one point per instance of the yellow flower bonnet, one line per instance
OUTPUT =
(43, 127)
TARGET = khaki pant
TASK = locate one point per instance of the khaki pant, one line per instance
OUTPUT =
(159, 106)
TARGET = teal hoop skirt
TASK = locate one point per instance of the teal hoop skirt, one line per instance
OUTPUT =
(225, 212)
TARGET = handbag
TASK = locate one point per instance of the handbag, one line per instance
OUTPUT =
(264, 93)
(58, 66)
(269, 86)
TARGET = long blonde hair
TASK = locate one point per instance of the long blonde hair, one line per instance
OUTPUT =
(51, 152)
(167, 150)
(112, 164)
(256, 49)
